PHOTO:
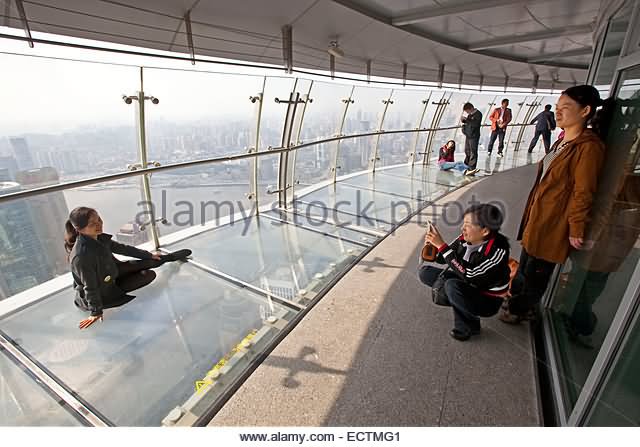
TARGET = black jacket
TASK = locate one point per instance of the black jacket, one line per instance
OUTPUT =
(487, 268)
(545, 121)
(95, 270)
(471, 125)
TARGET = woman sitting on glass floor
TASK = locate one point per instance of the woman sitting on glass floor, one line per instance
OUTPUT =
(446, 159)
(100, 280)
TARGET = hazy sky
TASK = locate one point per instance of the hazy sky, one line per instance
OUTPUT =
(53, 96)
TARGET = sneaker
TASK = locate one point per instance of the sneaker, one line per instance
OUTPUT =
(489, 153)
(470, 172)
(500, 154)
(462, 336)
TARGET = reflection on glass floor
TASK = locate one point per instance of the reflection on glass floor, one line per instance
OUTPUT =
(24, 403)
(288, 261)
(146, 357)
(171, 353)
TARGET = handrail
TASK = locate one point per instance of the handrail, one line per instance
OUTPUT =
(121, 175)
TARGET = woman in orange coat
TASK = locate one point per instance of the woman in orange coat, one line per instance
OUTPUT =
(557, 210)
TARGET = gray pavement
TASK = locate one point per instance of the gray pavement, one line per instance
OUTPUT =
(376, 352)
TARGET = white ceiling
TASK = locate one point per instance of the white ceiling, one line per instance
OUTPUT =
(250, 30)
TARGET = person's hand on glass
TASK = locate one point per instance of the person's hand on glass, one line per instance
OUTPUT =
(89, 321)
(156, 256)
(433, 237)
(580, 244)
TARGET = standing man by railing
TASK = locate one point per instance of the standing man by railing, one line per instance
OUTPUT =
(500, 118)
(472, 120)
(545, 124)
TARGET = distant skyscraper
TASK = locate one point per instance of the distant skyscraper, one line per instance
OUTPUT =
(22, 153)
(10, 164)
(50, 212)
(23, 263)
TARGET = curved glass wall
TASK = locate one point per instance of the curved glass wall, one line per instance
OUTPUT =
(252, 271)
(593, 284)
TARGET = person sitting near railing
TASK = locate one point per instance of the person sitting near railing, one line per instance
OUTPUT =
(100, 280)
(446, 159)
(478, 274)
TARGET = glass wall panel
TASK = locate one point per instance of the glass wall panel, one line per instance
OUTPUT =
(519, 108)
(274, 114)
(406, 109)
(324, 115)
(200, 115)
(365, 113)
(32, 229)
(594, 281)
(24, 403)
(322, 120)
(192, 196)
(73, 120)
(618, 405)
(612, 47)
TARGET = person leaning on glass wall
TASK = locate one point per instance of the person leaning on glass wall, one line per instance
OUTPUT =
(100, 280)
(557, 210)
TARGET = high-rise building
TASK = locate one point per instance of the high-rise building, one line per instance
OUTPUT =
(22, 261)
(51, 211)
(22, 153)
(11, 166)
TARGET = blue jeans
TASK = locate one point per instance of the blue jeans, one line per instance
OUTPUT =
(467, 301)
(447, 165)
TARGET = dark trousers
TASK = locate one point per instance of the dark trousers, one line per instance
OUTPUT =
(132, 275)
(468, 302)
(546, 139)
(590, 286)
(530, 283)
(498, 133)
(471, 152)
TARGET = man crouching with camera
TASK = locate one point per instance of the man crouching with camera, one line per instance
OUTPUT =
(477, 275)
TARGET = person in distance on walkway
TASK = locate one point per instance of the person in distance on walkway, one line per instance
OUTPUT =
(471, 122)
(500, 118)
(100, 280)
(478, 274)
(545, 123)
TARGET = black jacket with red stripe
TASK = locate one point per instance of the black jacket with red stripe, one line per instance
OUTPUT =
(487, 268)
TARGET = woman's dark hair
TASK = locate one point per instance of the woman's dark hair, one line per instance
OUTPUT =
(486, 216)
(451, 141)
(587, 95)
(78, 219)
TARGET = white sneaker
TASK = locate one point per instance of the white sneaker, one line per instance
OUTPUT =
(500, 154)
(471, 171)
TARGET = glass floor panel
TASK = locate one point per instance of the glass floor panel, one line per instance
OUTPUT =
(147, 355)
(404, 186)
(430, 174)
(24, 403)
(286, 260)
(322, 213)
(325, 225)
(365, 203)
